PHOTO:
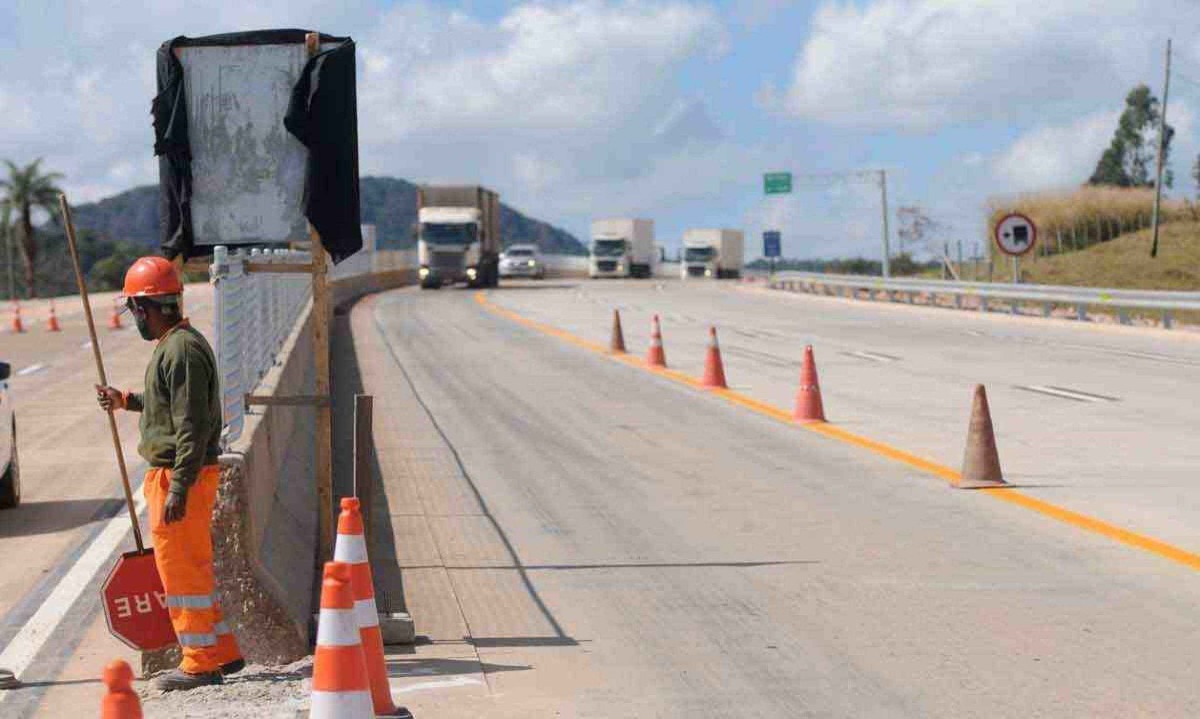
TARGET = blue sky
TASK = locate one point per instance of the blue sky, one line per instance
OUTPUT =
(660, 108)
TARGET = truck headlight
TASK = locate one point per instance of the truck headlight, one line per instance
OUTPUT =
(471, 273)
(708, 273)
(423, 272)
(530, 263)
(620, 267)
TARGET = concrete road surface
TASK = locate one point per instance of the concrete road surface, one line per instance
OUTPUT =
(583, 538)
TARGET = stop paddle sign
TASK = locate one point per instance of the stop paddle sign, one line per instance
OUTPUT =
(135, 603)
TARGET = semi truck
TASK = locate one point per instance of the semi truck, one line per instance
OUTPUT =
(712, 253)
(622, 247)
(458, 235)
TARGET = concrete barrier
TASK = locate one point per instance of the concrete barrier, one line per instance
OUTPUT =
(267, 517)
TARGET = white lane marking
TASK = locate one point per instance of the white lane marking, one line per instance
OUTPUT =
(1065, 393)
(31, 369)
(436, 684)
(873, 356)
(28, 642)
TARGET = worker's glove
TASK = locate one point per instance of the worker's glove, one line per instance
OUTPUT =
(110, 399)
(175, 507)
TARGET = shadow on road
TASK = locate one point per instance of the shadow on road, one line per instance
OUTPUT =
(55, 515)
(447, 667)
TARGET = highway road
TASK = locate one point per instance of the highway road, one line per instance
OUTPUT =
(583, 535)
(580, 536)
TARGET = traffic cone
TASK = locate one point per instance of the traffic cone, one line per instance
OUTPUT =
(351, 548)
(617, 345)
(656, 357)
(52, 323)
(17, 325)
(809, 407)
(714, 369)
(981, 461)
(114, 319)
(120, 701)
(341, 688)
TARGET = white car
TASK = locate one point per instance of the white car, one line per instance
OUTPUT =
(522, 261)
(10, 473)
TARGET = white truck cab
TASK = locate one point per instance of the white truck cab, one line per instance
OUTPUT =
(711, 253)
(622, 248)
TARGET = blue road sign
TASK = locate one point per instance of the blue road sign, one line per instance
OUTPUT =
(772, 242)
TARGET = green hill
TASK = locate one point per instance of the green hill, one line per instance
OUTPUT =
(1125, 262)
(387, 202)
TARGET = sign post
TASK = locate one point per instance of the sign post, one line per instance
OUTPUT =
(1015, 235)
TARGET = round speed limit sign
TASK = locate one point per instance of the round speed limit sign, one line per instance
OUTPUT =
(1015, 234)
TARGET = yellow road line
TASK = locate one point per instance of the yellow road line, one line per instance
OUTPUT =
(1007, 494)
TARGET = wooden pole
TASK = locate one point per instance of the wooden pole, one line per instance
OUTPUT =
(91, 325)
(364, 454)
(321, 317)
(1162, 146)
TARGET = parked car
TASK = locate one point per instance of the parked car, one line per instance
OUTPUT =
(522, 261)
(10, 473)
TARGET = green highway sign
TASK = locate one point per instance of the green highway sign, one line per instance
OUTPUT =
(777, 183)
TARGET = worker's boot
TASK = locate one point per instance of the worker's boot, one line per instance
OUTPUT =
(8, 680)
(233, 667)
(179, 680)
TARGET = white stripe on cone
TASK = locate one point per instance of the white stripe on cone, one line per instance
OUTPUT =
(365, 613)
(350, 548)
(341, 705)
(337, 628)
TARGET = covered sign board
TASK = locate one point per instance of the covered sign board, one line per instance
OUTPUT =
(772, 243)
(135, 603)
(257, 138)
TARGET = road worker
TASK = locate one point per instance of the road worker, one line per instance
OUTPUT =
(180, 427)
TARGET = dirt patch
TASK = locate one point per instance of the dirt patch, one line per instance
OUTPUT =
(260, 690)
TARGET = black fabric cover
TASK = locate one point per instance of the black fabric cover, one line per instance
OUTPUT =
(322, 114)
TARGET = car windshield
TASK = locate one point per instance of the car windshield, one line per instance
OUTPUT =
(519, 253)
(608, 248)
(698, 254)
(443, 234)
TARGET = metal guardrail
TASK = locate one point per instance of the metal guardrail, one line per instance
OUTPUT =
(1166, 303)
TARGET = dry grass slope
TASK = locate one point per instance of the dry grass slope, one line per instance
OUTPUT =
(1125, 262)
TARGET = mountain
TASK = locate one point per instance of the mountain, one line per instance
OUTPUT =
(387, 202)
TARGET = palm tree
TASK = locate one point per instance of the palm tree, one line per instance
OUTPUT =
(25, 189)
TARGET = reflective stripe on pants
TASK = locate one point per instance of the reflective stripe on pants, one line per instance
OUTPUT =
(183, 553)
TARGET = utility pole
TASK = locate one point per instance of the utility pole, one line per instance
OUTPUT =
(5, 216)
(1162, 143)
(887, 267)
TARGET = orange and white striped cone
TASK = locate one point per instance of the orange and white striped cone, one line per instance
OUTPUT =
(809, 407)
(714, 368)
(17, 325)
(52, 323)
(114, 319)
(120, 701)
(656, 357)
(351, 548)
(341, 688)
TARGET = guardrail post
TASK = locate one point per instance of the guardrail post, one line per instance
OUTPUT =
(1081, 312)
(1047, 308)
(1167, 319)
(982, 304)
(1123, 315)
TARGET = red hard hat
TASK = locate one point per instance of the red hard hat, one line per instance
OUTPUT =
(152, 277)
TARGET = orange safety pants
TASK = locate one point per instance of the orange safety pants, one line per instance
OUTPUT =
(183, 552)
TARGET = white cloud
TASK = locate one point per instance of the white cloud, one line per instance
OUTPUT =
(920, 64)
(1055, 156)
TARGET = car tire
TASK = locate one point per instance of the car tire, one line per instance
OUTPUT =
(10, 483)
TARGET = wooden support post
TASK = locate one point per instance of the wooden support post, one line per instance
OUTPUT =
(364, 456)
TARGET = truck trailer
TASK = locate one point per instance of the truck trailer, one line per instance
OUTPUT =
(458, 235)
(712, 253)
(622, 248)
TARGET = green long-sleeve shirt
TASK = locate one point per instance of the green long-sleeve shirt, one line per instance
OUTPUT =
(180, 405)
